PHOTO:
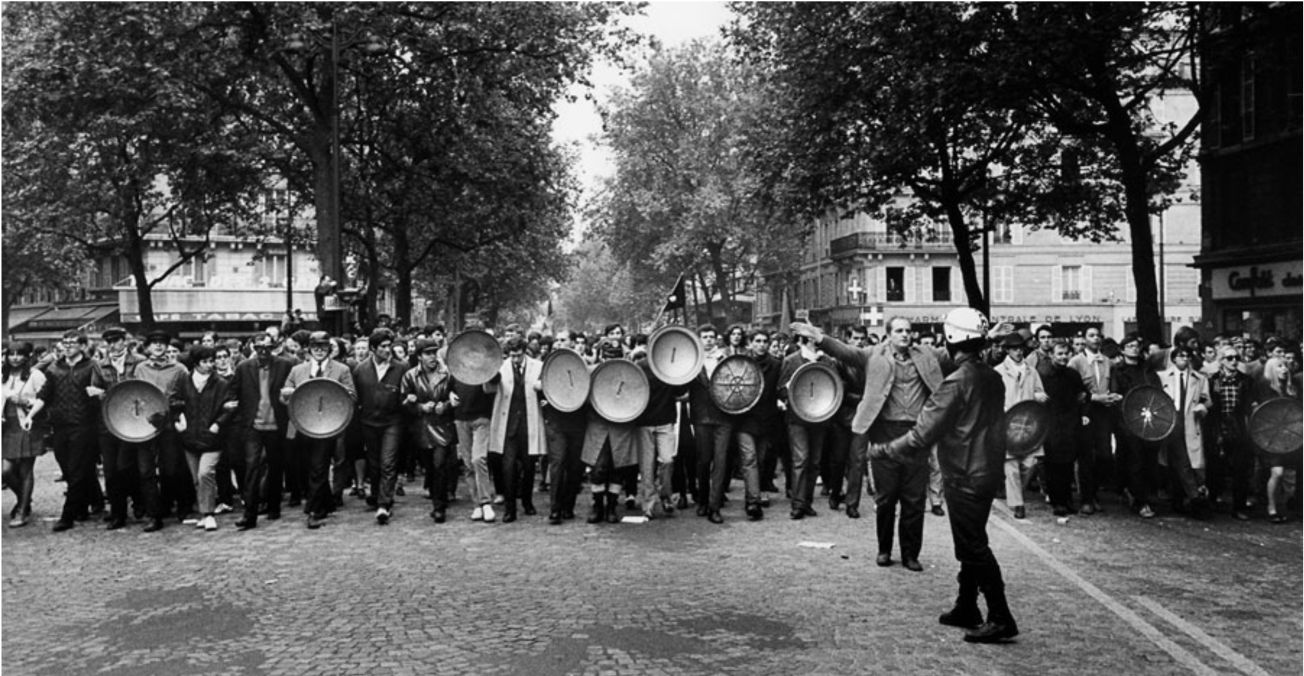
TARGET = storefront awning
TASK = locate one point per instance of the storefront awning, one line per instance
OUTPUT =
(20, 316)
(72, 317)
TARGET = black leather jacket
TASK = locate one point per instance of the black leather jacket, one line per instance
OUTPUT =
(963, 418)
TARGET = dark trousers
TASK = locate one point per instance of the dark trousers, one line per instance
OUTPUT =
(226, 489)
(1095, 459)
(898, 482)
(778, 450)
(119, 461)
(176, 486)
(260, 447)
(295, 465)
(516, 455)
(712, 472)
(837, 451)
(1238, 467)
(318, 494)
(382, 461)
(979, 570)
(683, 477)
(1059, 482)
(156, 469)
(857, 459)
(74, 443)
(1142, 467)
(603, 470)
(564, 449)
(441, 465)
(807, 443)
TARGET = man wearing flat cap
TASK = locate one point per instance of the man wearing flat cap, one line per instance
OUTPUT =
(118, 457)
(425, 389)
(318, 365)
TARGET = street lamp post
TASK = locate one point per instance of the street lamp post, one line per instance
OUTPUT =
(330, 233)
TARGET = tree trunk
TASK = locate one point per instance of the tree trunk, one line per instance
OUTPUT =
(135, 254)
(402, 278)
(973, 289)
(1136, 205)
(722, 279)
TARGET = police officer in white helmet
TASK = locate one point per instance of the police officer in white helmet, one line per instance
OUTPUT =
(963, 418)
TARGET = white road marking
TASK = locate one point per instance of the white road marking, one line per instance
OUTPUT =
(1245, 664)
(1178, 653)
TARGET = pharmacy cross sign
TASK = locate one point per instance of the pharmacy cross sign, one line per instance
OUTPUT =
(873, 316)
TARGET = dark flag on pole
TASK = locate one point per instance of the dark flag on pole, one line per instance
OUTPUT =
(675, 301)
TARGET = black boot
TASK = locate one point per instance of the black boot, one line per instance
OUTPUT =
(596, 514)
(612, 500)
(1000, 625)
(965, 614)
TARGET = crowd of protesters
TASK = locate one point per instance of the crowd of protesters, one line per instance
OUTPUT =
(220, 452)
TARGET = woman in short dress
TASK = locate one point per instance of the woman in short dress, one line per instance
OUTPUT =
(22, 387)
(1283, 470)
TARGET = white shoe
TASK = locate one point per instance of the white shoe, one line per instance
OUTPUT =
(382, 516)
(489, 513)
(477, 514)
(209, 523)
(223, 508)
(199, 523)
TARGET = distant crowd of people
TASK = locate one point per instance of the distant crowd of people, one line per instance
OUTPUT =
(230, 445)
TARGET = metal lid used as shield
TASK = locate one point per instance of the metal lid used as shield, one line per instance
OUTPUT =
(675, 355)
(474, 357)
(736, 384)
(1148, 413)
(619, 390)
(1025, 427)
(565, 380)
(321, 408)
(1275, 426)
(134, 410)
(815, 392)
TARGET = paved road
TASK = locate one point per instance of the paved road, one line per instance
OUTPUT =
(676, 596)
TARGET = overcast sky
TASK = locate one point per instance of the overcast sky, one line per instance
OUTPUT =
(578, 123)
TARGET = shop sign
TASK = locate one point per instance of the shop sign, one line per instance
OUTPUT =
(132, 317)
(1267, 279)
(1083, 318)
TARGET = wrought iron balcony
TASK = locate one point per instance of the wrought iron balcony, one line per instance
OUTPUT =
(865, 242)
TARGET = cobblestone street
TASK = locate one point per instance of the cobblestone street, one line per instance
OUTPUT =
(673, 596)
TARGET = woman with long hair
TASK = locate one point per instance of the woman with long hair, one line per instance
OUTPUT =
(22, 389)
(1283, 470)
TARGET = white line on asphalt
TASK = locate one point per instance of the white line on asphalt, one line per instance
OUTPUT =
(1177, 652)
(1238, 660)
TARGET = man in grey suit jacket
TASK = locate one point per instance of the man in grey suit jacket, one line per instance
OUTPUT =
(320, 451)
(899, 378)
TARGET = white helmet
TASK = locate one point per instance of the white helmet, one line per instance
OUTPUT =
(964, 323)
